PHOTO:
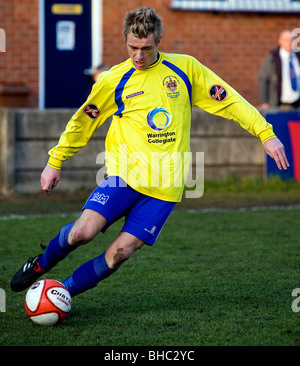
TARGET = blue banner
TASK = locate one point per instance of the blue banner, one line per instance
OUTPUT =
(286, 127)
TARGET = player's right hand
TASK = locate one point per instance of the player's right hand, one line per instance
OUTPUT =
(49, 179)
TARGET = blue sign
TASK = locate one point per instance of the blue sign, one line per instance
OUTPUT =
(286, 126)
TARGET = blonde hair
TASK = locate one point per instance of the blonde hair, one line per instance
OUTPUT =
(142, 22)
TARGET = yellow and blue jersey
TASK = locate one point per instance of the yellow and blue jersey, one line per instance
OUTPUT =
(148, 142)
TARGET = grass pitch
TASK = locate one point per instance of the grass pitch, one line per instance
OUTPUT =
(213, 278)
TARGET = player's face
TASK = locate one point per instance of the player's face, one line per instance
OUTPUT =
(142, 51)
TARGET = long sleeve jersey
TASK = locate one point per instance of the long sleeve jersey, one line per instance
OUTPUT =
(148, 142)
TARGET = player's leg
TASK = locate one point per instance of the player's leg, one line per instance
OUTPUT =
(86, 228)
(144, 221)
(105, 205)
(122, 249)
(69, 238)
(90, 273)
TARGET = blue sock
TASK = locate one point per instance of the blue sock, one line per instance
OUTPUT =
(57, 249)
(88, 275)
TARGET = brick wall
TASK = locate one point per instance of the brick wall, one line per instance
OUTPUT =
(231, 44)
(20, 62)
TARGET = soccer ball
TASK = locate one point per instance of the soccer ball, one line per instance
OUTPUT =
(47, 302)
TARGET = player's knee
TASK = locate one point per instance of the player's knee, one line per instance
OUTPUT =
(79, 236)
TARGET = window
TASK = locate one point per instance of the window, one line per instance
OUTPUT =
(280, 6)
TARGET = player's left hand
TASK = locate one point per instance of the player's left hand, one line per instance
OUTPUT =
(275, 149)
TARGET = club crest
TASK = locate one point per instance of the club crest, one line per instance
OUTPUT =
(171, 84)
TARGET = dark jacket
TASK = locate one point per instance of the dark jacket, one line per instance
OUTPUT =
(270, 78)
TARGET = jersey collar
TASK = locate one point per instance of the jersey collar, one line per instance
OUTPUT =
(158, 61)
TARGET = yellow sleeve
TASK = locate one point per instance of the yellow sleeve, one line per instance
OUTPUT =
(215, 96)
(81, 127)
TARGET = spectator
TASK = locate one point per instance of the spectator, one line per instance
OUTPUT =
(279, 77)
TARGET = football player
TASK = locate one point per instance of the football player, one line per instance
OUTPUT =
(150, 98)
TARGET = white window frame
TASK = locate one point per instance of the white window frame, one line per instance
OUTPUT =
(276, 6)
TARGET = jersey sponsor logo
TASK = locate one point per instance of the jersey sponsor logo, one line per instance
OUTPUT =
(218, 93)
(91, 110)
(171, 83)
(159, 119)
(134, 94)
(161, 137)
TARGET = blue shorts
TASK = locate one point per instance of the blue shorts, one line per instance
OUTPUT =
(144, 216)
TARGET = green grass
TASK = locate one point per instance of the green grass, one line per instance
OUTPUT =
(247, 192)
(231, 192)
(214, 278)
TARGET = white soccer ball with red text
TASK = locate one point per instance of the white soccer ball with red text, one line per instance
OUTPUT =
(48, 302)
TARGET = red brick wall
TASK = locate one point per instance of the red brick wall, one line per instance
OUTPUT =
(231, 44)
(20, 62)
